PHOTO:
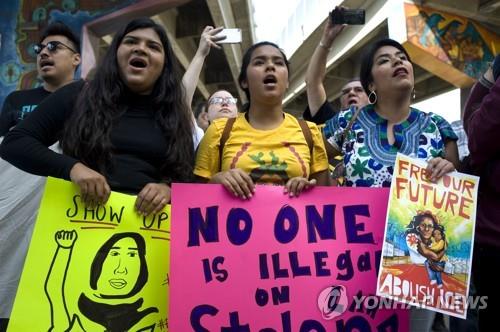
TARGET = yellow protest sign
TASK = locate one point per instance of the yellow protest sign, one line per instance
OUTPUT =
(100, 269)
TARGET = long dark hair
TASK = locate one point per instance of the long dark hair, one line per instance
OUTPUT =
(415, 222)
(102, 253)
(365, 73)
(246, 62)
(87, 134)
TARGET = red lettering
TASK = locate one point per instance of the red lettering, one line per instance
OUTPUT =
(451, 202)
(468, 186)
(400, 185)
(464, 205)
(401, 167)
(414, 169)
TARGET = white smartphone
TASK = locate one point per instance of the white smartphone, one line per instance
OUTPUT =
(233, 36)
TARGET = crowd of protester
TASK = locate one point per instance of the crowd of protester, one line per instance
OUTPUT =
(131, 129)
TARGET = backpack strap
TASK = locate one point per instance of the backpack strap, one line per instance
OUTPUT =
(351, 122)
(223, 139)
(307, 134)
(229, 126)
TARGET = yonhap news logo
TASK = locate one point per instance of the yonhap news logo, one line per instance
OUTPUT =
(332, 301)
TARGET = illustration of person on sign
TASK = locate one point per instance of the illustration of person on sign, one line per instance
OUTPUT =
(436, 260)
(118, 272)
(419, 237)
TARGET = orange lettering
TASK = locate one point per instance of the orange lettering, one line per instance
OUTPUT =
(414, 169)
(401, 168)
(451, 201)
(400, 185)
(468, 185)
(464, 206)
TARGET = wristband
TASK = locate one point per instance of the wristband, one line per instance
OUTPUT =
(324, 46)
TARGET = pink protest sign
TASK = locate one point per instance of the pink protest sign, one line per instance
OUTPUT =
(278, 264)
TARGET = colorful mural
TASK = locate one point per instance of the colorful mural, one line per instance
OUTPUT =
(453, 40)
(21, 24)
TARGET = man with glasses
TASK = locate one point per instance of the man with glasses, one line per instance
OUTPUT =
(58, 56)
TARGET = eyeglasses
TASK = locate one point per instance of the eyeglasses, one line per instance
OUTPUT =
(356, 89)
(427, 226)
(52, 46)
(223, 100)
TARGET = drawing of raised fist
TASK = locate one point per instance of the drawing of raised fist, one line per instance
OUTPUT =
(66, 239)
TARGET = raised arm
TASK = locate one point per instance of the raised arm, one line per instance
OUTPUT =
(316, 95)
(55, 283)
(192, 75)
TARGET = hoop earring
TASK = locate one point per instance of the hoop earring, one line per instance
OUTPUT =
(372, 97)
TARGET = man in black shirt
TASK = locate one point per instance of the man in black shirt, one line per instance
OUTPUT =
(58, 56)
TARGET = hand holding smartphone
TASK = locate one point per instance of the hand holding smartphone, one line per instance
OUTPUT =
(233, 36)
(348, 16)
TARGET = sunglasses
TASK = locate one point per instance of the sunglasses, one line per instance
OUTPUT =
(52, 46)
(223, 100)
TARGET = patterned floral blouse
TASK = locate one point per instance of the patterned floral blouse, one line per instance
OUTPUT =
(368, 156)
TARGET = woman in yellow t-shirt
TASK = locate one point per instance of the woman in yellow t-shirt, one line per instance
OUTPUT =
(264, 144)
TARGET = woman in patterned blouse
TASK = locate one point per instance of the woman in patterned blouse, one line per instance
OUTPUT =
(388, 125)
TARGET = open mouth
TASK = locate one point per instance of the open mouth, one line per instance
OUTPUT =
(46, 63)
(352, 101)
(138, 63)
(270, 80)
(400, 71)
(117, 283)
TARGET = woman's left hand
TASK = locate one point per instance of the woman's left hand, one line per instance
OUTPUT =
(296, 185)
(152, 198)
(437, 167)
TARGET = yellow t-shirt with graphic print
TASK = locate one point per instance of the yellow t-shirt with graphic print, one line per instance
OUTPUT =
(268, 156)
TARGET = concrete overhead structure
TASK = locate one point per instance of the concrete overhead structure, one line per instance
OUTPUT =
(439, 59)
(184, 21)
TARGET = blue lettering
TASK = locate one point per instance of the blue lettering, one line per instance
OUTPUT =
(282, 234)
(352, 228)
(197, 225)
(324, 225)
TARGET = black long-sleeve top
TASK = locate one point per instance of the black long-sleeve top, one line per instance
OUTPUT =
(482, 124)
(18, 105)
(139, 144)
(324, 113)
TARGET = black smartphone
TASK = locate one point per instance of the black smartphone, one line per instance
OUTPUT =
(348, 16)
